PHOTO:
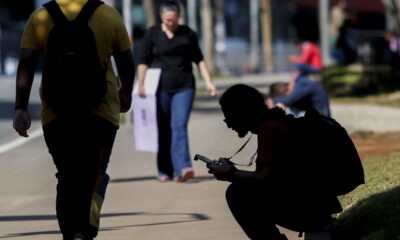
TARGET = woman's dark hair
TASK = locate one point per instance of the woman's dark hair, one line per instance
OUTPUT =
(170, 5)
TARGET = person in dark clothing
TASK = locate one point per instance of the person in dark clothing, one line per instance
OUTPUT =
(306, 94)
(274, 193)
(345, 51)
(173, 48)
(80, 141)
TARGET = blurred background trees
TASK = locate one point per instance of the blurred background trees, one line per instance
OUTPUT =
(238, 36)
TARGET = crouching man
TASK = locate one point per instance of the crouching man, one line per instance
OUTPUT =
(274, 193)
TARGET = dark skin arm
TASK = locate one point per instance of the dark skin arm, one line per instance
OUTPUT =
(25, 74)
(126, 72)
(221, 172)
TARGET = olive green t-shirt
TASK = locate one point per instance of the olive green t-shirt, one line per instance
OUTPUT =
(111, 37)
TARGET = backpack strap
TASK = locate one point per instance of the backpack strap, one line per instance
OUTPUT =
(55, 12)
(88, 10)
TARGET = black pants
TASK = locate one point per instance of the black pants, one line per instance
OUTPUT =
(257, 210)
(81, 147)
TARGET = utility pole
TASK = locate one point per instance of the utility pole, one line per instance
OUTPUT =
(324, 31)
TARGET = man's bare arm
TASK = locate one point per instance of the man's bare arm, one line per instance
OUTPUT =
(126, 72)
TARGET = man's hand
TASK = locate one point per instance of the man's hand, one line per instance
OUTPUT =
(22, 122)
(222, 169)
(281, 106)
(125, 100)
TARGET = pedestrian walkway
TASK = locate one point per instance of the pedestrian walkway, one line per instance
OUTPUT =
(137, 206)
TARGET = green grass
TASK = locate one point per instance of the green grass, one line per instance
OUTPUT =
(386, 99)
(372, 211)
(357, 80)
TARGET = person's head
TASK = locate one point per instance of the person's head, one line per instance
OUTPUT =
(244, 108)
(170, 12)
(298, 43)
(278, 89)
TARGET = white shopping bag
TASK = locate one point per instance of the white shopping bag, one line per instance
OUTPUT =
(145, 113)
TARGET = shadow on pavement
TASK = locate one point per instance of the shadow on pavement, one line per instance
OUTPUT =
(196, 179)
(7, 110)
(188, 217)
(54, 217)
(18, 235)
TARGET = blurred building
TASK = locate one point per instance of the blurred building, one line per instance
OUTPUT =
(290, 20)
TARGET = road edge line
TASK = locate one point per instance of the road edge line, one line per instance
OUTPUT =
(20, 141)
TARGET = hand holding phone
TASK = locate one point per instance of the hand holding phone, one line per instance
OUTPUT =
(206, 160)
(202, 158)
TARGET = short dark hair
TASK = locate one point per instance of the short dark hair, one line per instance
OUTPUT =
(246, 104)
(278, 89)
(170, 5)
(242, 99)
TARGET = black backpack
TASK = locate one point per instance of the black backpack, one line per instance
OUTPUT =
(324, 155)
(73, 77)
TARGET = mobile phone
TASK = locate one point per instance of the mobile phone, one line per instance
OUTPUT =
(202, 158)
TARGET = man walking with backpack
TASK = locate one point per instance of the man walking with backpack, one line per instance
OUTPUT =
(81, 100)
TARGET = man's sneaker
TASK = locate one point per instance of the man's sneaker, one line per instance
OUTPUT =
(80, 236)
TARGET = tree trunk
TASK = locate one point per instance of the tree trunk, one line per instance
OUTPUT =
(254, 35)
(220, 38)
(207, 28)
(267, 38)
(191, 12)
(150, 13)
(182, 20)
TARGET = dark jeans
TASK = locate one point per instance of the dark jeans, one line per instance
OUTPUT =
(258, 210)
(81, 148)
(173, 112)
(306, 69)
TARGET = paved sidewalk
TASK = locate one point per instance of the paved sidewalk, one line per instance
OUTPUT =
(137, 206)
